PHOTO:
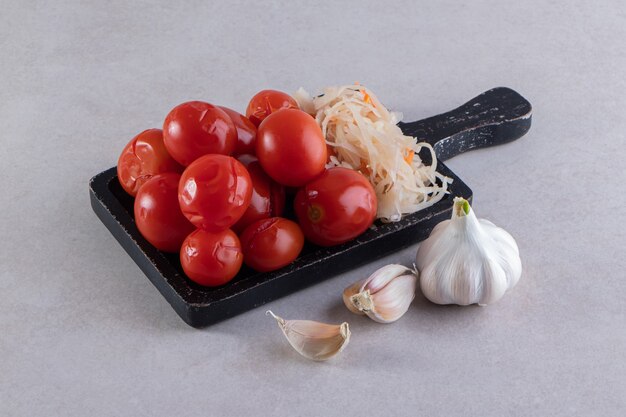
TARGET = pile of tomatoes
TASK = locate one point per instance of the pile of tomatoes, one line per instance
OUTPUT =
(212, 185)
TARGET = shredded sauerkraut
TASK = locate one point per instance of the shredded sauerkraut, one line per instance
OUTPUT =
(364, 136)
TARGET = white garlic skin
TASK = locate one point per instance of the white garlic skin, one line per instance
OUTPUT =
(467, 260)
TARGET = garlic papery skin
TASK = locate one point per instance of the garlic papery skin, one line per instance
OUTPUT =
(314, 340)
(385, 295)
(467, 260)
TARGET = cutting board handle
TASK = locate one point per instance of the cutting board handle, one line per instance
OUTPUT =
(497, 116)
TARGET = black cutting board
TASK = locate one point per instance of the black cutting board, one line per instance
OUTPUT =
(495, 117)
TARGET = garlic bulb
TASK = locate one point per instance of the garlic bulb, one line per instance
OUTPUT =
(384, 296)
(313, 340)
(466, 260)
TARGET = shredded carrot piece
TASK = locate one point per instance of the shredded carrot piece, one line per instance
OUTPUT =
(366, 97)
(409, 156)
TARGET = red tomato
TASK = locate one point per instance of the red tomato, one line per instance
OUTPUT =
(214, 192)
(197, 128)
(291, 147)
(267, 102)
(246, 132)
(157, 214)
(270, 244)
(268, 197)
(336, 207)
(143, 157)
(211, 259)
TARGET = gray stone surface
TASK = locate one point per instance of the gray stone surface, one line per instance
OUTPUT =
(83, 332)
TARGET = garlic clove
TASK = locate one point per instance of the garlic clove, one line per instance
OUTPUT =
(384, 296)
(314, 340)
(389, 303)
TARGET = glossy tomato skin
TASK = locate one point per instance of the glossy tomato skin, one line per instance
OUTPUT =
(336, 207)
(246, 132)
(291, 147)
(270, 244)
(196, 128)
(214, 192)
(266, 102)
(142, 158)
(211, 259)
(157, 213)
(268, 197)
